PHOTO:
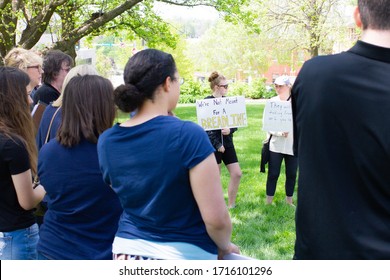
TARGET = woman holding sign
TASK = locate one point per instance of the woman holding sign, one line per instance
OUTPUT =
(222, 140)
(281, 147)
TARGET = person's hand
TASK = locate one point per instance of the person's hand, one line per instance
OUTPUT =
(232, 249)
(225, 131)
(285, 134)
(221, 149)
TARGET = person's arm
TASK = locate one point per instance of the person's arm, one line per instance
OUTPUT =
(28, 196)
(227, 131)
(276, 133)
(215, 138)
(207, 189)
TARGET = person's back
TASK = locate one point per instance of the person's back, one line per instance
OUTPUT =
(340, 106)
(83, 211)
(167, 202)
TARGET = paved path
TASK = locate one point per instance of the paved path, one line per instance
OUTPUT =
(255, 101)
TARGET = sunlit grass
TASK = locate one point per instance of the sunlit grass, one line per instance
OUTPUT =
(262, 231)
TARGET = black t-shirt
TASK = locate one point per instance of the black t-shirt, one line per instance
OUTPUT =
(341, 106)
(46, 94)
(14, 159)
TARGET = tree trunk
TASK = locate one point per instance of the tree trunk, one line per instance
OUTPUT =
(67, 47)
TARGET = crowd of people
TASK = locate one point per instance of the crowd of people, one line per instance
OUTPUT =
(105, 192)
(150, 187)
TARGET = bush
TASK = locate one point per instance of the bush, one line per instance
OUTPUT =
(191, 91)
(238, 89)
(257, 89)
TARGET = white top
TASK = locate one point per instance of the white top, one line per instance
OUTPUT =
(279, 143)
(160, 250)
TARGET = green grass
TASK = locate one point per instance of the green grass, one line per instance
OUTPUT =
(265, 232)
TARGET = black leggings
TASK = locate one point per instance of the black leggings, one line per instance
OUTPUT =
(274, 165)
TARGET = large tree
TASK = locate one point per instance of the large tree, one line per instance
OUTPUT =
(313, 25)
(24, 22)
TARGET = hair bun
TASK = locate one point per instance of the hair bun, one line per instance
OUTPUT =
(127, 97)
(213, 76)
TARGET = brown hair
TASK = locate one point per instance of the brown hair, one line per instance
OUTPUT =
(375, 14)
(87, 109)
(15, 117)
(215, 78)
(52, 63)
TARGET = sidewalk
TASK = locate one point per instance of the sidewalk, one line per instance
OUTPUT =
(255, 101)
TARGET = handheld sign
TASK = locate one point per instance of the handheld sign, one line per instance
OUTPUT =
(218, 113)
(277, 116)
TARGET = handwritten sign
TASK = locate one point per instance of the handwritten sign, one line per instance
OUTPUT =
(218, 113)
(277, 116)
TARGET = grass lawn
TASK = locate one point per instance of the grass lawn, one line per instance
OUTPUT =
(262, 231)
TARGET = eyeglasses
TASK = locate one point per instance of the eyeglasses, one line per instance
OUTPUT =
(179, 80)
(224, 86)
(279, 86)
(39, 67)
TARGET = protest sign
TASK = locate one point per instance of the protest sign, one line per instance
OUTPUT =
(277, 116)
(218, 113)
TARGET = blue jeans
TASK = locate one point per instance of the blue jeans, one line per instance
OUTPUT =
(19, 244)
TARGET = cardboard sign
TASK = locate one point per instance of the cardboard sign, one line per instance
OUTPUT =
(218, 113)
(278, 116)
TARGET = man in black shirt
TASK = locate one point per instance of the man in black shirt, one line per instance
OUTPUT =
(56, 66)
(341, 106)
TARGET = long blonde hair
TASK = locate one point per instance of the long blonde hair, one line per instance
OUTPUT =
(15, 117)
(80, 70)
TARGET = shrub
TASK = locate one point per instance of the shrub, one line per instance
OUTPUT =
(257, 89)
(238, 89)
(191, 91)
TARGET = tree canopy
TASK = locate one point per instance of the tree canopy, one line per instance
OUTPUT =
(23, 23)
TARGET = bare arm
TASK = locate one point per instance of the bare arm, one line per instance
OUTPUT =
(27, 196)
(207, 190)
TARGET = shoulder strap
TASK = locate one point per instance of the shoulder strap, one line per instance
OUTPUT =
(51, 122)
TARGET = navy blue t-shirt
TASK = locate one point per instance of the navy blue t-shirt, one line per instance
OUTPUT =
(148, 167)
(83, 211)
(45, 123)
